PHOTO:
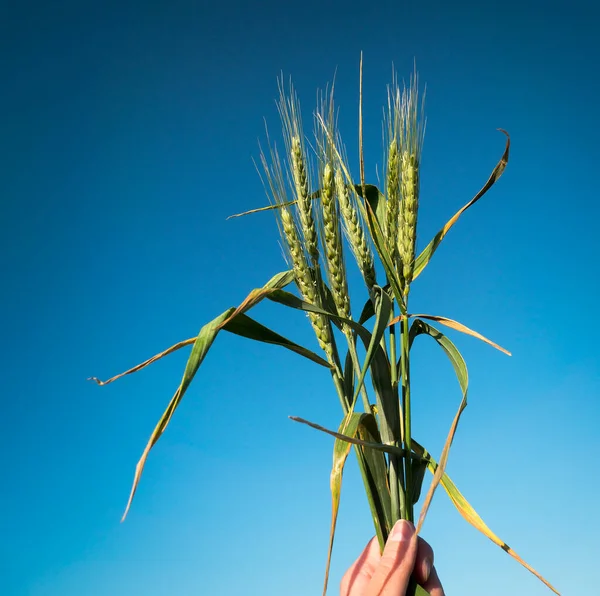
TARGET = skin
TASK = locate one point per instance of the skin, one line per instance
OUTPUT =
(388, 574)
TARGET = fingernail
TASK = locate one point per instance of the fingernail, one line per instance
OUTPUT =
(402, 530)
(426, 569)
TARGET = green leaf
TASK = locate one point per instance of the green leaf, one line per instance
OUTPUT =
(266, 208)
(378, 236)
(425, 256)
(387, 400)
(377, 476)
(383, 309)
(460, 368)
(365, 426)
(292, 301)
(315, 195)
(458, 362)
(414, 589)
(418, 467)
(453, 325)
(348, 375)
(327, 301)
(376, 199)
(202, 344)
(242, 325)
(469, 513)
(391, 449)
(245, 326)
(368, 311)
(349, 428)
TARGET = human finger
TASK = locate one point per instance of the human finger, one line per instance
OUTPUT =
(396, 565)
(424, 561)
(358, 576)
(433, 585)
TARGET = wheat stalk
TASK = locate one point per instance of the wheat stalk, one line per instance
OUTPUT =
(392, 482)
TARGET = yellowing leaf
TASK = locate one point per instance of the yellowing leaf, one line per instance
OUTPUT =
(370, 451)
(453, 325)
(467, 511)
(424, 258)
(202, 344)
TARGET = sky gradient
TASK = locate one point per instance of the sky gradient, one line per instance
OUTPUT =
(128, 134)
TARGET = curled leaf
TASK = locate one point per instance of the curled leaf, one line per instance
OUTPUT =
(424, 258)
(453, 325)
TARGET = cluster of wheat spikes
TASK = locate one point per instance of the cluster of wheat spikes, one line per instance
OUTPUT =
(323, 217)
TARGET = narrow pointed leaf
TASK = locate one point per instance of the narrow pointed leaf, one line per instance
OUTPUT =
(453, 325)
(387, 400)
(376, 200)
(174, 348)
(350, 439)
(245, 326)
(348, 375)
(458, 362)
(261, 209)
(363, 425)
(368, 311)
(425, 256)
(460, 369)
(418, 467)
(315, 195)
(383, 309)
(202, 344)
(381, 508)
(341, 449)
(242, 325)
(328, 303)
(441, 466)
(380, 244)
(463, 506)
(292, 301)
(469, 513)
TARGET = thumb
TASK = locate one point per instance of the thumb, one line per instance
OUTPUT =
(397, 562)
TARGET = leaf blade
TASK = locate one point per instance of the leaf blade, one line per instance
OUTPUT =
(202, 344)
(352, 440)
(460, 369)
(341, 450)
(470, 515)
(452, 324)
(245, 326)
(364, 425)
(423, 259)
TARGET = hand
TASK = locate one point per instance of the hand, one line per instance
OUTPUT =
(405, 554)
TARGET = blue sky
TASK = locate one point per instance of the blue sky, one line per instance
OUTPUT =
(128, 132)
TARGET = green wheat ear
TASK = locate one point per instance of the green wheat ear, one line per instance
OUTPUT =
(355, 230)
(410, 145)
